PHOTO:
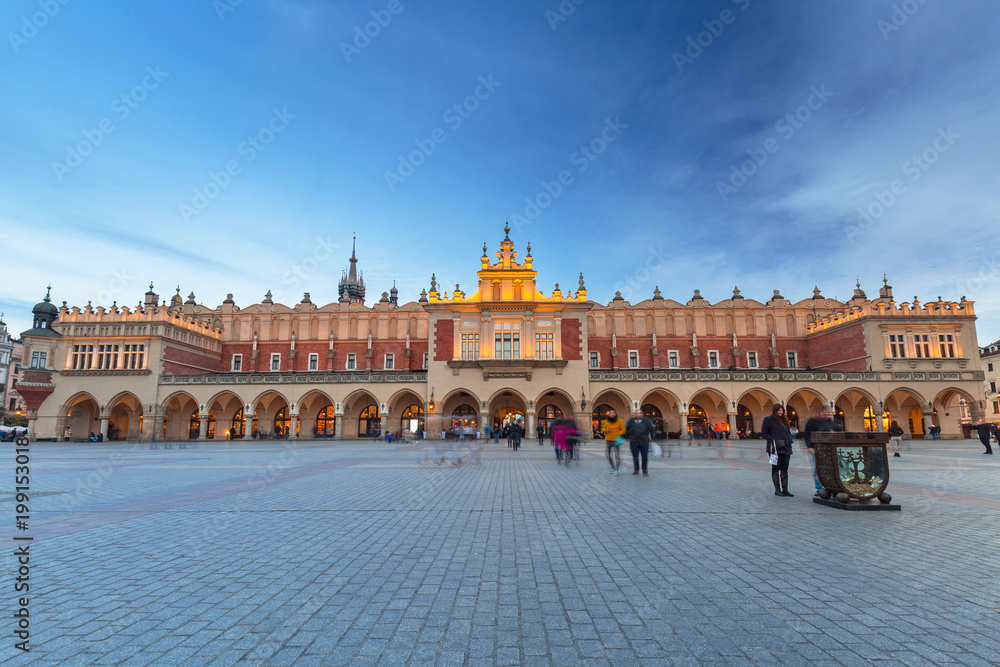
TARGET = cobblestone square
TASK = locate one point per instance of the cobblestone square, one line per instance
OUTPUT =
(323, 553)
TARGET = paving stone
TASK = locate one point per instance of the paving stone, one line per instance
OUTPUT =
(361, 555)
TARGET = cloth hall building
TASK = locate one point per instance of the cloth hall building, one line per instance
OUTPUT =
(180, 370)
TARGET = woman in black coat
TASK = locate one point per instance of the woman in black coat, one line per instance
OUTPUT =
(779, 441)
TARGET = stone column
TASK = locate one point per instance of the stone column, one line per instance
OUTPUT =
(483, 422)
(293, 427)
(732, 425)
(203, 427)
(928, 422)
(338, 427)
(384, 424)
(530, 430)
(104, 427)
(684, 426)
(879, 424)
(31, 426)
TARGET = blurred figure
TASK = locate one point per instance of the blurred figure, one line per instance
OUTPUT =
(613, 430)
(516, 431)
(639, 432)
(822, 423)
(983, 429)
(895, 437)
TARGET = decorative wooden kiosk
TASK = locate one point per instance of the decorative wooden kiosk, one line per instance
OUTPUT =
(853, 469)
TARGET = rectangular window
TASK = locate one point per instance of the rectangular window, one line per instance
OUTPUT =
(425, 361)
(38, 359)
(390, 362)
(107, 357)
(352, 362)
(996, 407)
(595, 359)
(275, 361)
(237, 364)
(751, 360)
(544, 345)
(713, 359)
(508, 346)
(793, 359)
(946, 342)
(897, 346)
(993, 387)
(673, 359)
(989, 367)
(922, 346)
(314, 361)
(134, 357)
(633, 359)
(470, 346)
(83, 357)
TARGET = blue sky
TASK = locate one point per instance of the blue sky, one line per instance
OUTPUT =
(235, 146)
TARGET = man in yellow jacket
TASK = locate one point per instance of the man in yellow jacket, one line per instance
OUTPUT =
(613, 429)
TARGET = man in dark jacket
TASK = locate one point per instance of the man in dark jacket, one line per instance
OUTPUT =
(822, 422)
(984, 435)
(639, 431)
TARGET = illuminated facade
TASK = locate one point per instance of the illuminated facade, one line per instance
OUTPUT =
(507, 350)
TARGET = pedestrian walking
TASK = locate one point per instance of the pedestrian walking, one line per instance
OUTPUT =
(823, 422)
(515, 435)
(613, 430)
(983, 429)
(779, 447)
(639, 430)
(895, 437)
(540, 430)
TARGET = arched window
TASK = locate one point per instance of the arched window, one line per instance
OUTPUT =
(496, 291)
(871, 424)
(792, 416)
(237, 427)
(669, 330)
(591, 326)
(275, 328)
(629, 325)
(518, 292)
(326, 423)
(790, 325)
(697, 415)
(412, 420)
(369, 423)
(547, 415)
(282, 422)
(744, 419)
(709, 325)
(599, 414)
(464, 416)
(751, 327)
(653, 414)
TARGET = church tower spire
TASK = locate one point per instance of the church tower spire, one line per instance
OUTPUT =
(352, 287)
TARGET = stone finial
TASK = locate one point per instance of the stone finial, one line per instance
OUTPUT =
(657, 296)
(434, 284)
(777, 295)
(305, 298)
(529, 249)
(581, 281)
(697, 296)
(423, 296)
(506, 231)
(229, 299)
(267, 297)
(484, 249)
(736, 292)
(816, 293)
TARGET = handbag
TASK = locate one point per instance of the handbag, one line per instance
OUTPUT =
(773, 458)
(654, 449)
(619, 441)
